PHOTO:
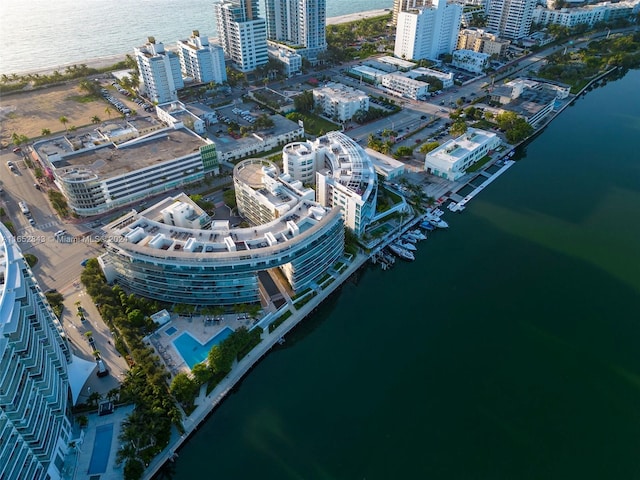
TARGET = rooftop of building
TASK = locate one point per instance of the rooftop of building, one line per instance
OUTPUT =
(109, 160)
(338, 90)
(457, 148)
(384, 162)
(146, 233)
(225, 143)
(350, 164)
(397, 62)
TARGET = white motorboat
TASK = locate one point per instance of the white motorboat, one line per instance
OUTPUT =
(437, 221)
(407, 245)
(418, 234)
(402, 252)
(409, 238)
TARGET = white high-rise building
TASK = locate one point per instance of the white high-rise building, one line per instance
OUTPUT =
(510, 19)
(35, 397)
(200, 60)
(159, 72)
(243, 34)
(403, 6)
(428, 32)
(299, 23)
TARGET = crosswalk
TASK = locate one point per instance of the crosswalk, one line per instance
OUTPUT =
(39, 226)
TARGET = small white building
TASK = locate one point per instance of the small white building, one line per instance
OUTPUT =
(445, 78)
(451, 159)
(470, 61)
(366, 72)
(291, 61)
(403, 86)
(384, 165)
(340, 101)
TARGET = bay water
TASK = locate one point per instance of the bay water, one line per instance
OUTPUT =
(510, 349)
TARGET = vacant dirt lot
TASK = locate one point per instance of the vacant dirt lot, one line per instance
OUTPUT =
(28, 113)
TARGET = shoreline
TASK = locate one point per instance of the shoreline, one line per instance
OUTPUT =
(108, 60)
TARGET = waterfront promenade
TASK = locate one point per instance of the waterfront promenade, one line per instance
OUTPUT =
(207, 403)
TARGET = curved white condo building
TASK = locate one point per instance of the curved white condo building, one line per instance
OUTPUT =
(34, 387)
(344, 174)
(174, 253)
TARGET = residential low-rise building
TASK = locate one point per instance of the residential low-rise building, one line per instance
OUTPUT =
(533, 100)
(470, 61)
(387, 167)
(585, 15)
(390, 64)
(340, 101)
(287, 56)
(445, 78)
(367, 73)
(177, 115)
(404, 86)
(451, 159)
(481, 41)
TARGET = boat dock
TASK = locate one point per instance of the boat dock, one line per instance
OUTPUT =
(458, 206)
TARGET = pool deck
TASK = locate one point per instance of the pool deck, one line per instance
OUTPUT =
(202, 328)
(84, 448)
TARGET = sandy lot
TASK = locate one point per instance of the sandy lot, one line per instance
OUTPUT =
(28, 113)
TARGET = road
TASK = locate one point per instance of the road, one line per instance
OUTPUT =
(58, 262)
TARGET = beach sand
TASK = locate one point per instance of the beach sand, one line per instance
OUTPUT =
(28, 112)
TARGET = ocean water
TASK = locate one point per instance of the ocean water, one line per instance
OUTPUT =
(507, 350)
(41, 34)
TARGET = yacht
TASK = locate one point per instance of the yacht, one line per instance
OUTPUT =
(418, 234)
(437, 221)
(402, 252)
(408, 238)
(427, 226)
(406, 245)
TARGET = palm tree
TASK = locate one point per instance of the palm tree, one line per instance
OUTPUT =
(108, 111)
(46, 131)
(95, 119)
(64, 120)
(94, 398)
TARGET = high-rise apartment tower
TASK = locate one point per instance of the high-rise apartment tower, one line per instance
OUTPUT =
(35, 398)
(299, 23)
(510, 19)
(243, 34)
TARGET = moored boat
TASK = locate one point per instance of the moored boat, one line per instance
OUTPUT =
(408, 238)
(418, 234)
(427, 226)
(407, 245)
(402, 252)
(437, 221)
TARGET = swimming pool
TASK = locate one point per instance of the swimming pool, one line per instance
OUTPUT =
(101, 449)
(194, 352)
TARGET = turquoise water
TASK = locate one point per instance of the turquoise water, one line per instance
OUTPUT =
(101, 449)
(171, 330)
(192, 351)
(508, 350)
